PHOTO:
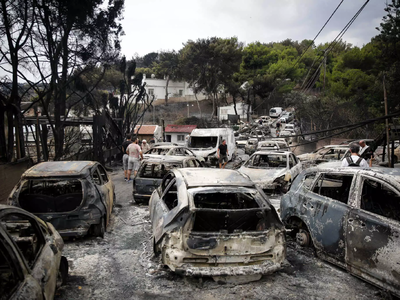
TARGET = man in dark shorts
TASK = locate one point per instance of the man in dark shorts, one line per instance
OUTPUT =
(125, 157)
(223, 154)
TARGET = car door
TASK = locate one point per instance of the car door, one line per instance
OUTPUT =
(326, 207)
(109, 186)
(102, 191)
(37, 254)
(373, 232)
(160, 210)
(295, 166)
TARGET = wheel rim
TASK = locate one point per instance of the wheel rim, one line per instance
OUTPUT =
(303, 238)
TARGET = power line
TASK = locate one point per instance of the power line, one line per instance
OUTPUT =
(347, 128)
(298, 60)
(337, 39)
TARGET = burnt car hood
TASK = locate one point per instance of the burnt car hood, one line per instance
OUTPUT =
(263, 176)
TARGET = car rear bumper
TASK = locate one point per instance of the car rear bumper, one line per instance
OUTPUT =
(266, 267)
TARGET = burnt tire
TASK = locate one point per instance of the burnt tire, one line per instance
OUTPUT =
(99, 229)
(62, 273)
(303, 238)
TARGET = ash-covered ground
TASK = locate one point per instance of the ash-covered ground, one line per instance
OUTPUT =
(122, 266)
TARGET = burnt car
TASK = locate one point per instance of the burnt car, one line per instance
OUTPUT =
(352, 218)
(251, 146)
(272, 171)
(77, 197)
(215, 223)
(152, 171)
(31, 262)
(170, 149)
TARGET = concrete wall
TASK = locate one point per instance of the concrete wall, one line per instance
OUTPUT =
(224, 111)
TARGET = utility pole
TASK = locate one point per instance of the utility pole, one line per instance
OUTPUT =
(387, 123)
(323, 88)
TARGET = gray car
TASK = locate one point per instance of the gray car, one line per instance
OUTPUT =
(352, 218)
(77, 197)
(215, 222)
(152, 171)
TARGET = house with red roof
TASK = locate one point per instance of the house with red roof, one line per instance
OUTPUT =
(147, 132)
(178, 133)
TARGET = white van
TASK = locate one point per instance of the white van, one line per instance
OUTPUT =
(275, 112)
(204, 142)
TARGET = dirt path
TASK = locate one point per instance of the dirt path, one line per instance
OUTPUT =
(122, 266)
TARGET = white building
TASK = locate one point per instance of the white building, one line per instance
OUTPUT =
(241, 108)
(176, 89)
(178, 133)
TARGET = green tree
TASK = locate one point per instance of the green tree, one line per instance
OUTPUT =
(168, 68)
(209, 64)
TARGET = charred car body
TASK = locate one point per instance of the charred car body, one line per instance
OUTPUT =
(272, 171)
(76, 197)
(152, 171)
(215, 223)
(352, 218)
(31, 264)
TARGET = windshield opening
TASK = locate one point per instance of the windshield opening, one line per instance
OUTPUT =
(203, 141)
(268, 161)
(46, 196)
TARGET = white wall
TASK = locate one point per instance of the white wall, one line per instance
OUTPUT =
(224, 111)
(174, 137)
(158, 87)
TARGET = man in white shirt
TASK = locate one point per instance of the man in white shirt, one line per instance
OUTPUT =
(354, 160)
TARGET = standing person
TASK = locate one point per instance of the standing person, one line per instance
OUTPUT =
(366, 152)
(145, 146)
(278, 128)
(135, 153)
(354, 160)
(125, 157)
(223, 154)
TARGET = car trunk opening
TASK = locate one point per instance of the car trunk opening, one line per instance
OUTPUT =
(49, 196)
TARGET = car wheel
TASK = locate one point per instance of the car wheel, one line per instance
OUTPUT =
(303, 238)
(99, 229)
(62, 272)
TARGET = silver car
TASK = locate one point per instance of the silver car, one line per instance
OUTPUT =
(272, 171)
(209, 222)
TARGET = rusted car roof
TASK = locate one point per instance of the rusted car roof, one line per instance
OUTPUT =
(201, 177)
(59, 169)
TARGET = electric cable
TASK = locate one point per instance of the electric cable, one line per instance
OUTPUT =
(304, 52)
(337, 39)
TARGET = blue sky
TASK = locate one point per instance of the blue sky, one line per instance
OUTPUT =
(155, 25)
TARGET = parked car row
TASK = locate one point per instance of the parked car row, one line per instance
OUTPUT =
(208, 222)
